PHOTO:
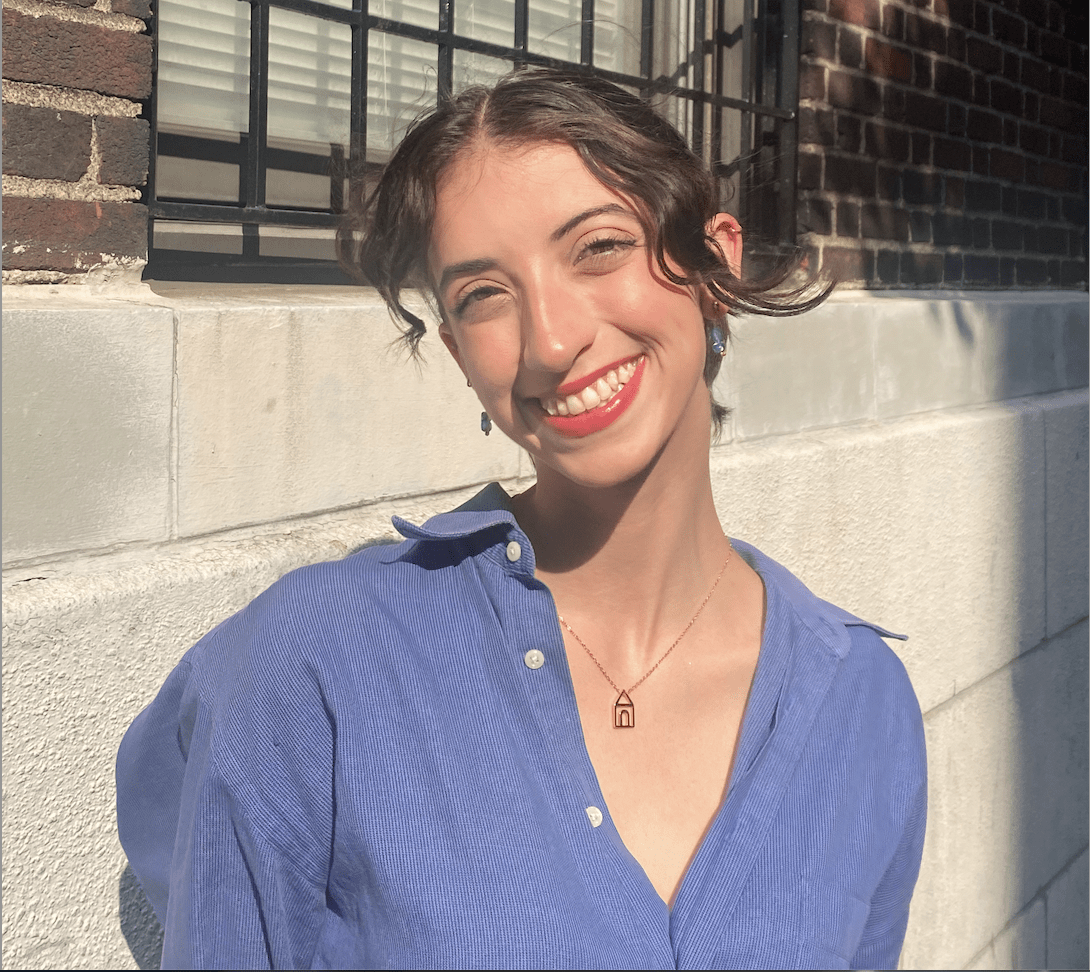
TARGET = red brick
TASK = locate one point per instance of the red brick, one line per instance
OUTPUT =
(850, 47)
(888, 61)
(812, 82)
(43, 143)
(893, 22)
(925, 34)
(124, 144)
(862, 13)
(62, 234)
(45, 50)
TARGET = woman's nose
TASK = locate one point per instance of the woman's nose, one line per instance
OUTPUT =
(556, 329)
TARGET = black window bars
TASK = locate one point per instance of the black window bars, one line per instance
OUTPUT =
(751, 45)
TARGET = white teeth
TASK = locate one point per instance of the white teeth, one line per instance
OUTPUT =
(594, 395)
(590, 397)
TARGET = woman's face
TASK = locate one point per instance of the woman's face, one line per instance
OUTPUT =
(577, 346)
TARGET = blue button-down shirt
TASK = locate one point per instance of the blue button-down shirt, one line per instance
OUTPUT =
(360, 770)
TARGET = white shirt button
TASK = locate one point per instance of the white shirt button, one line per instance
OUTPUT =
(514, 551)
(595, 816)
(533, 658)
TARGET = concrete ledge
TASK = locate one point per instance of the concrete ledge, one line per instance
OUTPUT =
(204, 408)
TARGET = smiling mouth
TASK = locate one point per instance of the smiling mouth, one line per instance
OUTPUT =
(595, 395)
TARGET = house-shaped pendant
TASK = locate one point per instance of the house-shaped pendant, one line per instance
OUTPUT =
(624, 712)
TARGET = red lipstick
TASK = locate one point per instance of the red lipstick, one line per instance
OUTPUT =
(587, 423)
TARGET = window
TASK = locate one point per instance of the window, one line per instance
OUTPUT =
(260, 107)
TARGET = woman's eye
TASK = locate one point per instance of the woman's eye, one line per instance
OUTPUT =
(604, 250)
(473, 296)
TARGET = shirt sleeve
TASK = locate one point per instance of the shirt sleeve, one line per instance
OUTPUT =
(884, 934)
(225, 803)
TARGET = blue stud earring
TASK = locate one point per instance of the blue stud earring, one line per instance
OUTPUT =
(486, 423)
(719, 345)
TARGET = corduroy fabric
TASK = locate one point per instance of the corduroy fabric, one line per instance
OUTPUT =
(359, 770)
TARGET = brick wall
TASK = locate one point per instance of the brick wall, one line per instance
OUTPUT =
(75, 150)
(943, 143)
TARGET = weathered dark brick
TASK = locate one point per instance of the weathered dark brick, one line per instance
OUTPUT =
(1031, 106)
(981, 91)
(1033, 38)
(956, 11)
(1053, 209)
(893, 103)
(818, 39)
(1030, 272)
(981, 230)
(853, 92)
(1007, 235)
(955, 44)
(952, 268)
(1006, 271)
(850, 175)
(1073, 88)
(812, 82)
(921, 148)
(984, 126)
(925, 111)
(140, 9)
(1032, 204)
(1055, 176)
(809, 170)
(862, 13)
(815, 216)
(982, 197)
(851, 47)
(123, 144)
(848, 265)
(1074, 149)
(983, 55)
(887, 61)
(1054, 15)
(1050, 241)
(887, 142)
(816, 127)
(981, 269)
(1010, 66)
(982, 12)
(923, 71)
(63, 234)
(1074, 211)
(79, 3)
(921, 268)
(981, 159)
(1008, 28)
(881, 222)
(847, 219)
(893, 22)
(925, 34)
(949, 229)
(1033, 139)
(1054, 49)
(1009, 205)
(1035, 74)
(886, 266)
(849, 133)
(1056, 113)
(951, 154)
(956, 116)
(1007, 165)
(919, 226)
(1005, 97)
(889, 183)
(46, 50)
(955, 192)
(953, 80)
(1072, 273)
(43, 143)
(922, 188)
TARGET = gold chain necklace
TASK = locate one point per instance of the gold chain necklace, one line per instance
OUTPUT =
(624, 712)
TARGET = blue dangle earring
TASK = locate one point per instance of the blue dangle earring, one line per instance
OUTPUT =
(719, 345)
(486, 423)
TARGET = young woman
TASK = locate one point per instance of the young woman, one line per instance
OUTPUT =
(574, 728)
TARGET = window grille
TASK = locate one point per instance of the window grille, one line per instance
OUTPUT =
(262, 107)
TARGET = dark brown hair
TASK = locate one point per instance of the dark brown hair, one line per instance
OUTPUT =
(625, 144)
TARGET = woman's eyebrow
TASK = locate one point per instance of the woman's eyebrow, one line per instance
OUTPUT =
(465, 268)
(588, 214)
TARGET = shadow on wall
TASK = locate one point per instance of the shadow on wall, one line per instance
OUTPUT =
(138, 922)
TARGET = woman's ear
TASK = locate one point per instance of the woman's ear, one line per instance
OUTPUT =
(724, 229)
(452, 346)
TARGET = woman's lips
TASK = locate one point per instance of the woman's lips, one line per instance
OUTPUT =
(596, 418)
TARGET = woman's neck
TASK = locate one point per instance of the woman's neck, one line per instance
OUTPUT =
(627, 565)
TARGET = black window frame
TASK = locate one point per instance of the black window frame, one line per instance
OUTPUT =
(766, 165)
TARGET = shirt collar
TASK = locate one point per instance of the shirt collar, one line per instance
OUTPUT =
(491, 507)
